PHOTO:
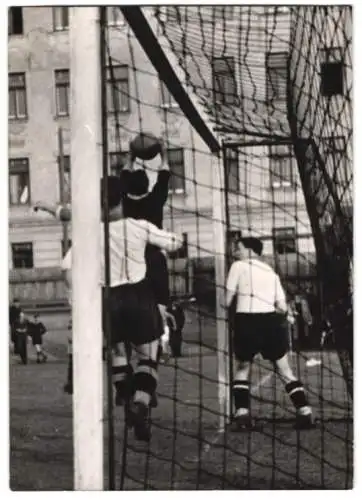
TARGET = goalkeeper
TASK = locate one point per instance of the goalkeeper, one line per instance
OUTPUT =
(260, 327)
(141, 203)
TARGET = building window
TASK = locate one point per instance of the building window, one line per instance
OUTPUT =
(115, 16)
(60, 18)
(118, 89)
(284, 240)
(62, 86)
(15, 21)
(167, 100)
(17, 96)
(117, 161)
(65, 190)
(224, 81)
(176, 162)
(281, 165)
(22, 255)
(276, 75)
(332, 66)
(183, 252)
(19, 181)
(232, 169)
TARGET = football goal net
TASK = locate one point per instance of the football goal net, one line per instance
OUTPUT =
(254, 107)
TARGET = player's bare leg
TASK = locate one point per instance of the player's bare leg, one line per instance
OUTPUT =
(163, 346)
(165, 339)
(40, 355)
(296, 392)
(241, 394)
(145, 383)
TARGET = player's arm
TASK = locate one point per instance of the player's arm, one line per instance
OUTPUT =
(232, 282)
(280, 298)
(170, 242)
(161, 187)
(60, 212)
(126, 172)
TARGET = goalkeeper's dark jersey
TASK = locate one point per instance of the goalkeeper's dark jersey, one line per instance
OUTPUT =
(150, 206)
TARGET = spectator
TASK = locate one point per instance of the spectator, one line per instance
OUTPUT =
(14, 314)
(21, 332)
(36, 332)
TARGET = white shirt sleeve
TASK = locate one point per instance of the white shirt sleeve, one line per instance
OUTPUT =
(162, 239)
(280, 299)
(232, 282)
(67, 261)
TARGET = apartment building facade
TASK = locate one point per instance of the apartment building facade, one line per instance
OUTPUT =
(264, 196)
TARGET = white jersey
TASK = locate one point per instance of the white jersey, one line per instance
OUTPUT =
(127, 242)
(257, 287)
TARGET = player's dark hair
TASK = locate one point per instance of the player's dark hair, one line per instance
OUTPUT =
(138, 182)
(253, 244)
(114, 187)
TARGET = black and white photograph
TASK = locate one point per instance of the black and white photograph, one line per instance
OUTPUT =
(180, 248)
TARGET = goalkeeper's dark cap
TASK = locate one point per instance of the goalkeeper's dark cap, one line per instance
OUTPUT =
(114, 187)
(138, 182)
(254, 244)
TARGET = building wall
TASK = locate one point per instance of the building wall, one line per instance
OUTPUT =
(318, 116)
(256, 208)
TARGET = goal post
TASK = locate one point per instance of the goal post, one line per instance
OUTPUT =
(222, 331)
(86, 154)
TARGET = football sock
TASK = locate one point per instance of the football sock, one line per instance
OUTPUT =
(241, 394)
(145, 381)
(122, 375)
(296, 392)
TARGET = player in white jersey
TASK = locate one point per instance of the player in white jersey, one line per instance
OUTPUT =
(260, 326)
(134, 315)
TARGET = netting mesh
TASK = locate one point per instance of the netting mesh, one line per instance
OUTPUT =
(263, 77)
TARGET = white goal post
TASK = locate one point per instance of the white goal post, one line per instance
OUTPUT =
(86, 154)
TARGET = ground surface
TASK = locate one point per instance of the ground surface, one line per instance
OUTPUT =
(188, 449)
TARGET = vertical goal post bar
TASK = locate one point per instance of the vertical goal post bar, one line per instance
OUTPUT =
(86, 154)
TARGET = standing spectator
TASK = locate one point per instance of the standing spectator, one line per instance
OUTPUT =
(36, 332)
(14, 313)
(21, 332)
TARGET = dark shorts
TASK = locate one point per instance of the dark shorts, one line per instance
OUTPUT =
(264, 333)
(157, 275)
(134, 315)
(37, 339)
